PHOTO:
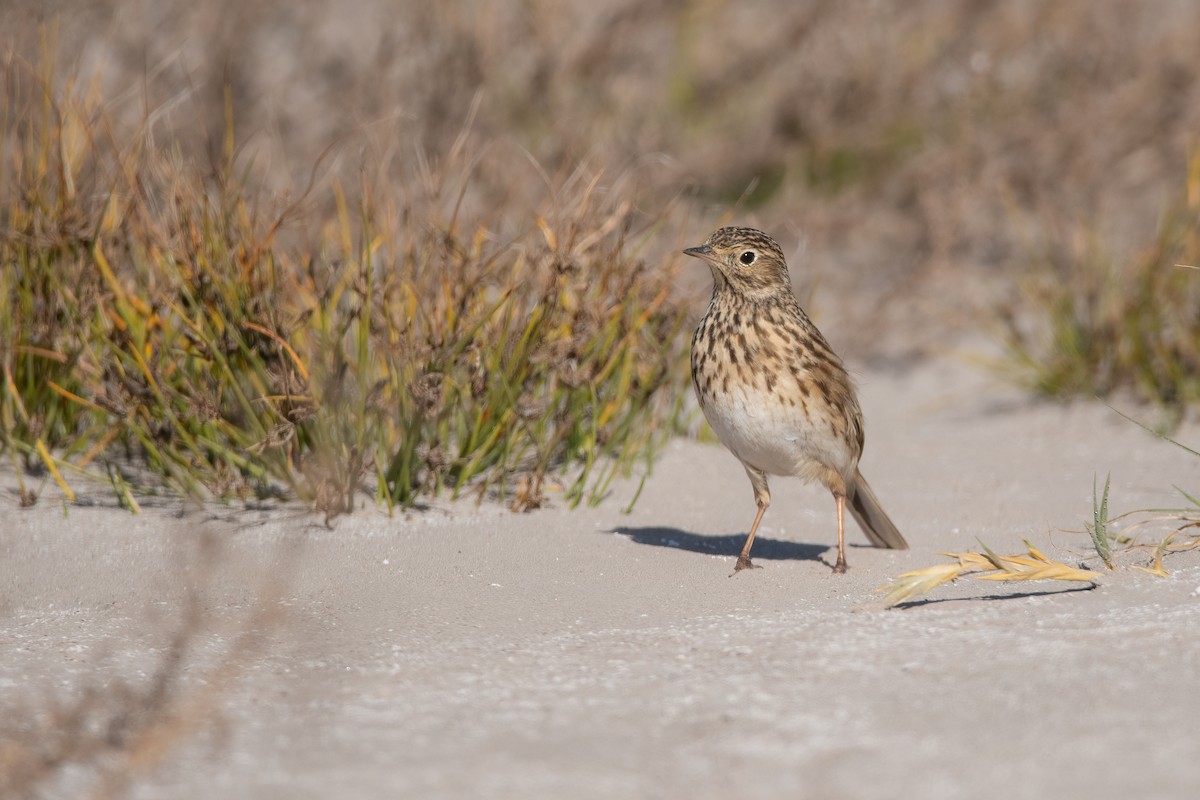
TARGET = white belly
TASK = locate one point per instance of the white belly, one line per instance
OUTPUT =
(774, 437)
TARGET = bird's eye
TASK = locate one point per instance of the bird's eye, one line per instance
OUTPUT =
(747, 257)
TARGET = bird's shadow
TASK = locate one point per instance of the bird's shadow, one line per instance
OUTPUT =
(730, 545)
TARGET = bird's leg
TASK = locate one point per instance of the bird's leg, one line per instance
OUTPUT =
(762, 496)
(743, 561)
(840, 567)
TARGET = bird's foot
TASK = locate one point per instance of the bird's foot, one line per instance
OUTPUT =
(840, 567)
(743, 562)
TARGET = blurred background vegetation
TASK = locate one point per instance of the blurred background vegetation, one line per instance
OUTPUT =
(394, 247)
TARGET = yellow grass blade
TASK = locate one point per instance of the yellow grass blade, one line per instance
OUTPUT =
(547, 234)
(918, 582)
(1037, 567)
(282, 343)
(100, 446)
(11, 388)
(48, 460)
(122, 489)
(972, 562)
(74, 397)
(107, 273)
(1163, 547)
(1049, 572)
(53, 355)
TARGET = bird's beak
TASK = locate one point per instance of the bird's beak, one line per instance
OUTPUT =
(703, 251)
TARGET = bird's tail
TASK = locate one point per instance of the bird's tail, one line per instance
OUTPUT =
(874, 521)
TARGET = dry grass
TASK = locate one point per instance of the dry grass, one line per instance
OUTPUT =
(1032, 566)
(920, 152)
(1086, 324)
(342, 295)
(157, 316)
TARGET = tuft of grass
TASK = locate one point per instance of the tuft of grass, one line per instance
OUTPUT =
(1183, 535)
(1185, 521)
(170, 329)
(1098, 329)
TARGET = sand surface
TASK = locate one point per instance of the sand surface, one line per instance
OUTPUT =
(471, 652)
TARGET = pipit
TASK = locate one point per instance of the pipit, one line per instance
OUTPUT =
(774, 391)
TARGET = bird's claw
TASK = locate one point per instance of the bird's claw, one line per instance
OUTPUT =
(743, 562)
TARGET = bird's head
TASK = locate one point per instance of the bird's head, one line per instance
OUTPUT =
(746, 260)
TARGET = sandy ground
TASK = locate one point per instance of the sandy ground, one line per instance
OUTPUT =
(470, 652)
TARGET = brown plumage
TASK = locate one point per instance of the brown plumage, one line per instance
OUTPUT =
(772, 388)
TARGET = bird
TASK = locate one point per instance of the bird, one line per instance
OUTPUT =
(774, 391)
